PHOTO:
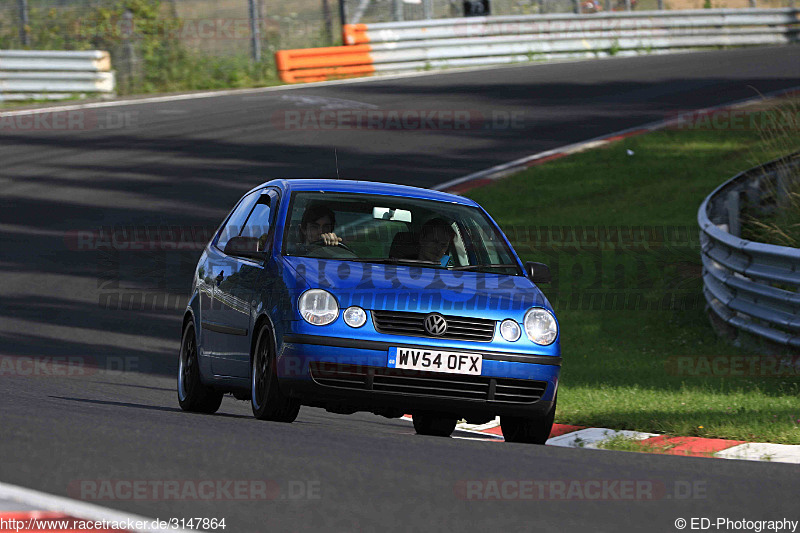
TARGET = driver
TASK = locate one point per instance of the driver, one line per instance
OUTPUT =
(317, 225)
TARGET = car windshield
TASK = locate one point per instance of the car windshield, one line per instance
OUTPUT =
(395, 230)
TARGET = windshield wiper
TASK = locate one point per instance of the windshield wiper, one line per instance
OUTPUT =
(475, 267)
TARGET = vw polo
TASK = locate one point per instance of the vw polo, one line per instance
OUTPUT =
(357, 296)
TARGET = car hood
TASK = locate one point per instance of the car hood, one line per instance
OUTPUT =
(419, 289)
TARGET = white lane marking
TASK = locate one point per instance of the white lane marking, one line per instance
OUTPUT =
(484, 439)
(324, 102)
(469, 429)
(591, 437)
(78, 509)
(763, 451)
(484, 436)
(479, 427)
(517, 165)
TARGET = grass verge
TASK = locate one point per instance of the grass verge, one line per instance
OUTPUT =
(782, 225)
(628, 444)
(620, 234)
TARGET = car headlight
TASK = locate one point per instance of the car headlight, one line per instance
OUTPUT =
(354, 316)
(540, 326)
(318, 307)
(509, 330)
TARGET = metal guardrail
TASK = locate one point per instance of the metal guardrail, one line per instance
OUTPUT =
(442, 43)
(390, 32)
(54, 75)
(751, 286)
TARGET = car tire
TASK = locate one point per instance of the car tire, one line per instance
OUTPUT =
(193, 396)
(528, 430)
(266, 398)
(436, 426)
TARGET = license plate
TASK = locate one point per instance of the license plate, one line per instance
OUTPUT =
(435, 361)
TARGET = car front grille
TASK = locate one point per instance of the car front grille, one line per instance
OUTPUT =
(418, 383)
(413, 325)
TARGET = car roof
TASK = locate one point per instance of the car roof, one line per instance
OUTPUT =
(366, 187)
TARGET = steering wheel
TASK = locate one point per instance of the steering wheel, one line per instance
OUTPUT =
(321, 242)
(331, 248)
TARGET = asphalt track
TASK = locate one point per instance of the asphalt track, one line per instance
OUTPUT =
(185, 163)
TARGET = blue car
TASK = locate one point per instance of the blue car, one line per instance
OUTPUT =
(358, 296)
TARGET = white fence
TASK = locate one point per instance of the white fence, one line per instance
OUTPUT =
(488, 40)
(54, 75)
(577, 25)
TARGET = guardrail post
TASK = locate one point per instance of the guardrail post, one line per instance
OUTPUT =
(397, 10)
(661, 5)
(427, 9)
(24, 23)
(128, 55)
(255, 31)
(328, 22)
(752, 3)
(753, 192)
(782, 186)
(576, 6)
(732, 206)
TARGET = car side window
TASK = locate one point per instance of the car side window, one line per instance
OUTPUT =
(237, 219)
(258, 223)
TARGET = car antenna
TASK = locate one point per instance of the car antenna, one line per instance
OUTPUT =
(336, 156)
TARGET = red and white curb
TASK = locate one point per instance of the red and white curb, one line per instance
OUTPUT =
(24, 509)
(485, 177)
(570, 436)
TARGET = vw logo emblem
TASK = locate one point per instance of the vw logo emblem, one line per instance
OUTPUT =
(435, 324)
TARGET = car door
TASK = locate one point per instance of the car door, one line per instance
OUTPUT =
(238, 290)
(217, 269)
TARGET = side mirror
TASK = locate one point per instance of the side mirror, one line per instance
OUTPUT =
(538, 272)
(246, 247)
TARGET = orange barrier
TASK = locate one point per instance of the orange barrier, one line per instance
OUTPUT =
(324, 74)
(319, 64)
(355, 34)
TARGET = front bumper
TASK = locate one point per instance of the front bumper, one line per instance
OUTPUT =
(353, 375)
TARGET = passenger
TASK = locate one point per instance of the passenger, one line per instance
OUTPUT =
(435, 239)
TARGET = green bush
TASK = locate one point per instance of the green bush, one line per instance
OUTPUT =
(146, 54)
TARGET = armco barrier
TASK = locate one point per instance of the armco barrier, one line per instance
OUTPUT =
(54, 75)
(564, 23)
(441, 43)
(751, 286)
